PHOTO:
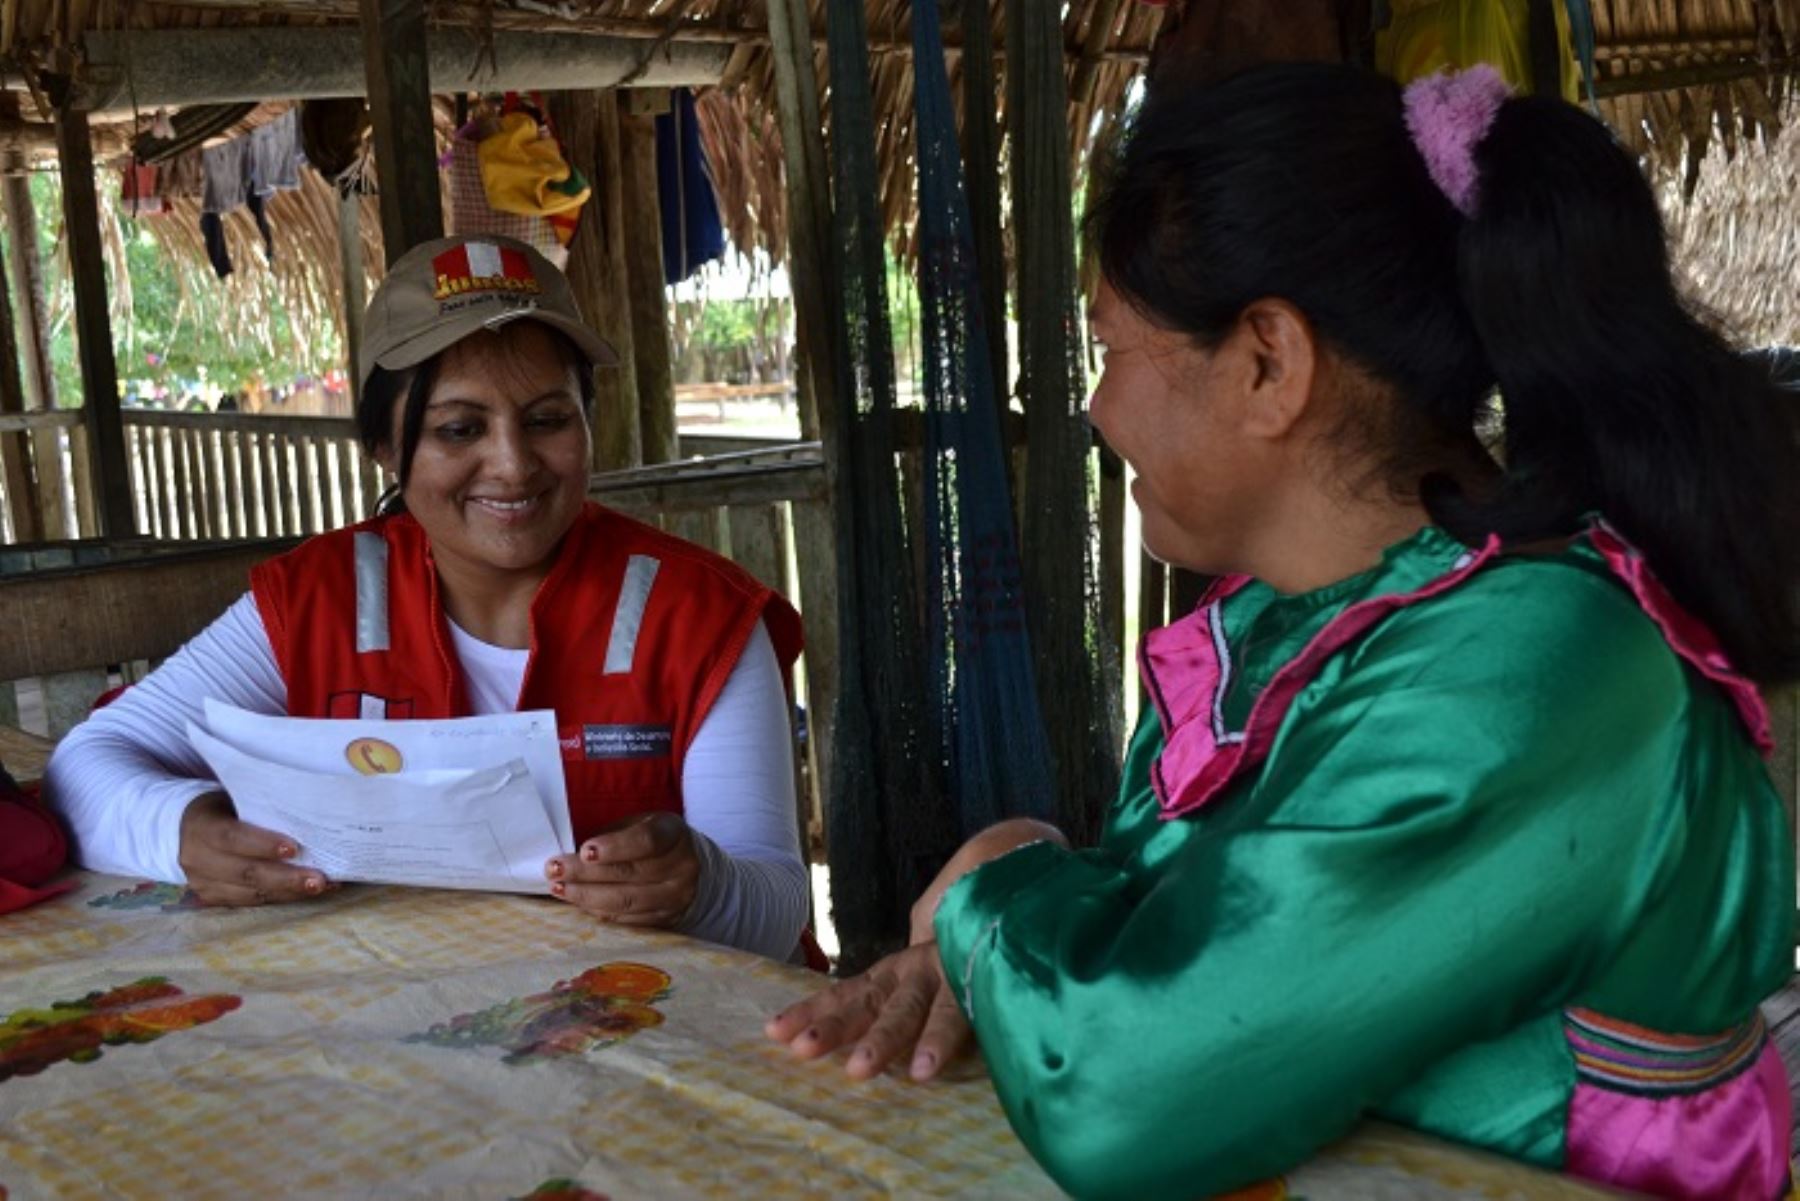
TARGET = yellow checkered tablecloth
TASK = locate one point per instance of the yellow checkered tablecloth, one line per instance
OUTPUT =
(390, 1043)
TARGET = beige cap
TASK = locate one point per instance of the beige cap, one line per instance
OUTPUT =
(440, 292)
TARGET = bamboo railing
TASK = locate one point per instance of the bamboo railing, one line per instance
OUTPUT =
(219, 476)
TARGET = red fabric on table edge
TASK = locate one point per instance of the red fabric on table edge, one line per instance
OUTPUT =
(33, 847)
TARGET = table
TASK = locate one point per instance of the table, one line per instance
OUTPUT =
(387, 1042)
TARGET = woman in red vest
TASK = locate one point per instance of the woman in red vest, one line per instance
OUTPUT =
(488, 583)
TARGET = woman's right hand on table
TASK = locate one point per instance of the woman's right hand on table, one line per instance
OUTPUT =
(230, 862)
(901, 1006)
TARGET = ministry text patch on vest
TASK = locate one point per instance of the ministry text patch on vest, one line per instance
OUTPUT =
(627, 742)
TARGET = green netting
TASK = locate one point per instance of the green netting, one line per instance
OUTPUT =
(890, 823)
(1077, 665)
(940, 728)
(989, 733)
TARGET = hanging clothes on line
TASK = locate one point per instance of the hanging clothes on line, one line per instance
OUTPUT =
(227, 171)
(692, 233)
(142, 191)
(275, 156)
(182, 177)
(227, 176)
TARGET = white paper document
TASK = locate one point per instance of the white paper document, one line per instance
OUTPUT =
(475, 802)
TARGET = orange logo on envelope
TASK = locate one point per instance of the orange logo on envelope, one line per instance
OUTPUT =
(373, 757)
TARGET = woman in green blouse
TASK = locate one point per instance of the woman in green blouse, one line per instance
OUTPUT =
(1449, 807)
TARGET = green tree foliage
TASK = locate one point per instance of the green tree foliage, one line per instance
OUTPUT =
(175, 326)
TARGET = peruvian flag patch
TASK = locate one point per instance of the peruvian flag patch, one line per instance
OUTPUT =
(483, 267)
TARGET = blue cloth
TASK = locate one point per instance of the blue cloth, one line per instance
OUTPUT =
(692, 234)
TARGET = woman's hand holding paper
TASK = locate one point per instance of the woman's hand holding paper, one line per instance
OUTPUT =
(230, 862)
(643, 871)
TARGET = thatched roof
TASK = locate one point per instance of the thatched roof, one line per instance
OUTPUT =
(1737, 241)
(1678, 76)
(1686, 82)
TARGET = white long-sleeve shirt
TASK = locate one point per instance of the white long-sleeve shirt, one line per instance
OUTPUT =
(123, 778)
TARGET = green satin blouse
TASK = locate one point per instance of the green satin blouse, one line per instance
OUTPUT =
(1503, 801)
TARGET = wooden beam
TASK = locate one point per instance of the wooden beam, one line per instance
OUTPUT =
(763, 485)
(468, 19)
(144, 608)
(61, 419)
(1694, 75)
(588, 124)
(350, 265)
(93, 329)
(648, 301)
(170, 67)
(269, 423)
(396, 64)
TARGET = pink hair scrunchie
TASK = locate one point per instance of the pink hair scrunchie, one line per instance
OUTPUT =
(1447, 115)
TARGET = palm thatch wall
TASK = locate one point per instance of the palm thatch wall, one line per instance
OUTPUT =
(1737, 239)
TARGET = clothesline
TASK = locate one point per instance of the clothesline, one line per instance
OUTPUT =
(243, 171)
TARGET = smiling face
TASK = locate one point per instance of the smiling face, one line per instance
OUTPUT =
(1174, 411)
(500, 471)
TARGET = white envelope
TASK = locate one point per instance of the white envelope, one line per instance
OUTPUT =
(477, 829)
(324, 745)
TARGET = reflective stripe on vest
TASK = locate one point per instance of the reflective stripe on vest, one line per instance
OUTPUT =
(628, 618)
(371, 593)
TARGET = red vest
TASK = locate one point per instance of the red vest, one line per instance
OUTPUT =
(633, 634)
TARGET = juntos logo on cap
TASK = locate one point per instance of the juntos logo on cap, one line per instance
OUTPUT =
(482, 267)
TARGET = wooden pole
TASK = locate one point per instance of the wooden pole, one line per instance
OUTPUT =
(812, 278)
(33, 347)
(15, 461)
(648, 301)
(350, 259)
(809, 209)
(1546, 49)
(397, 67)
(28, 277)
(587, 123)
(93, 330)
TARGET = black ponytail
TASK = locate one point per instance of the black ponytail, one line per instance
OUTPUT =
(1299, 181)
(1618, 399)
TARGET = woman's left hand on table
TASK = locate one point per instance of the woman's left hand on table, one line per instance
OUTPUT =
(643, 871)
